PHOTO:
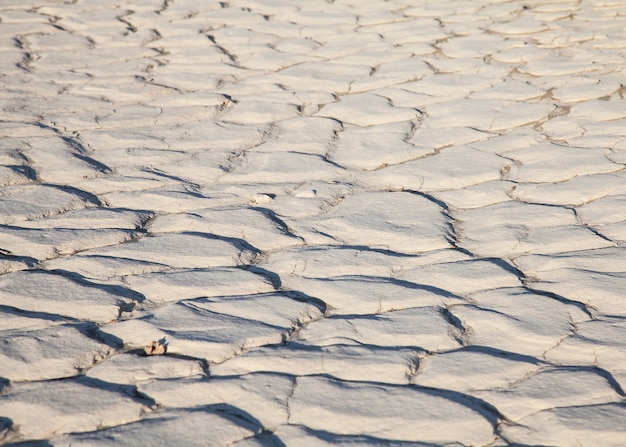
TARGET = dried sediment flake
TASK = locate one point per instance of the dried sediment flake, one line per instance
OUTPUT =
(378, 146)
(453, 168)
(179, 284)
(55, 294)
(40, 410)
(486, 114)
(166, 428)
(367, 110)
(464, 277)
(421, 328)
(180, 250)
(263, 397)
(132, 368)
(341, 361)
(551, 388)
(398, 221)
(589, 424)
(516, 229)
(324, 404)
(519, 321)
(366, 295)
(257, 226)
(474, 368)
(216, 328)
(554, 163)
(24, 202)
(50, 353)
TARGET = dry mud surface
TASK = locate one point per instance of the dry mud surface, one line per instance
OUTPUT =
(312, 223)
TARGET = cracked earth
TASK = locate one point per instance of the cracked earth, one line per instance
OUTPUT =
(274, 223)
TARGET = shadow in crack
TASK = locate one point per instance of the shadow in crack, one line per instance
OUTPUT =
(40, 443)
(128, 390)
(93, 331)
(382, 251)
(503, 264)
(582, 306)
(601, 372)
(87, 196)
(272, 216)
(5, 423)
(494, 352)
(412, 285)
(112, 289)
(241, 244)
(4, 309)
(245, 419)
(482, 407)
(6, 254)
(190, 426)
(364, 440)
(377, 280)
(26, 171)
(304, 298)
(7, 433)
(271, 277)
(98, 166)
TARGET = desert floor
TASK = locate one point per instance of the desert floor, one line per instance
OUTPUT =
(312, 223)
